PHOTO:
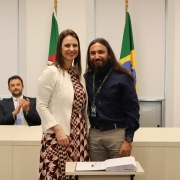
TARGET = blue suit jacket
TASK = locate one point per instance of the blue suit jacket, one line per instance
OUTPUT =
(7, 107)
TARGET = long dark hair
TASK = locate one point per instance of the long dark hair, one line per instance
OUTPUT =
(59, 61)
(113, 61)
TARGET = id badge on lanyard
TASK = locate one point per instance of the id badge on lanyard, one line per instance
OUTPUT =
(93, 107)
(93, 110)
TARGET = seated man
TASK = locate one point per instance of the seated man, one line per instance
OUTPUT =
(18, 110)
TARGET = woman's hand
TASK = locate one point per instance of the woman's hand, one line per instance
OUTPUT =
(62, 138)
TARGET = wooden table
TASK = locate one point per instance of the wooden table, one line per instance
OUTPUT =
(156, 149)
(19, 152)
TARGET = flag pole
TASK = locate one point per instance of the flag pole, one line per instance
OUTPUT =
(55, 6)
(126, 7)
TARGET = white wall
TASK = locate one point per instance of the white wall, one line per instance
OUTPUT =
(8, 42)
(172, 113)
(34, 31)
(35, 25)
(149, 39)
(173, 65)
(177, 66)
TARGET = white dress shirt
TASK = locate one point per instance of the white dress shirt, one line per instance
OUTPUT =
(23, 120)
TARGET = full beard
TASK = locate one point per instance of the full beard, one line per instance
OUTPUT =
(17, 94)
(100, 69)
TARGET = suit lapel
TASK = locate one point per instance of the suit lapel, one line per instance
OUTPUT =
(24, 97)
(11, 104)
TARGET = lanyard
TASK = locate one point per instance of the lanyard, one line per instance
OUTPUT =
(95, 94)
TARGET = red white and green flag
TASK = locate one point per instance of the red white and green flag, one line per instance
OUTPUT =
(127, 56)
(53, 39)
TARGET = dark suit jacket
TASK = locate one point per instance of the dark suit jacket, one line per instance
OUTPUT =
(7, 107)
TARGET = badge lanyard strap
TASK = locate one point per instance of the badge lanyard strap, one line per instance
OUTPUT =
(99, 86)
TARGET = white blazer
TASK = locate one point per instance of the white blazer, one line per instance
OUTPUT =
(55, 99)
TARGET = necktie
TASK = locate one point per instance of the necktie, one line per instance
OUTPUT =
(18, 116)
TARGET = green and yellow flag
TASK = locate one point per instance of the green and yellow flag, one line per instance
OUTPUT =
(53, 39)
(127, 56)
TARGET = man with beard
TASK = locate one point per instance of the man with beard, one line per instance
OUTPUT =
(18, 110)
(113, 104)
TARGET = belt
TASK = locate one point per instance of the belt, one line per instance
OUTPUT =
(108, 127)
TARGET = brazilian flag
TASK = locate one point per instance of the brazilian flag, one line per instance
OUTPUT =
(127, 56)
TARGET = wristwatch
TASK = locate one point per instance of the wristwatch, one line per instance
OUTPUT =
(129, 139)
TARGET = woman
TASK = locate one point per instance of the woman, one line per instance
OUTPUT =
(62, 106)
